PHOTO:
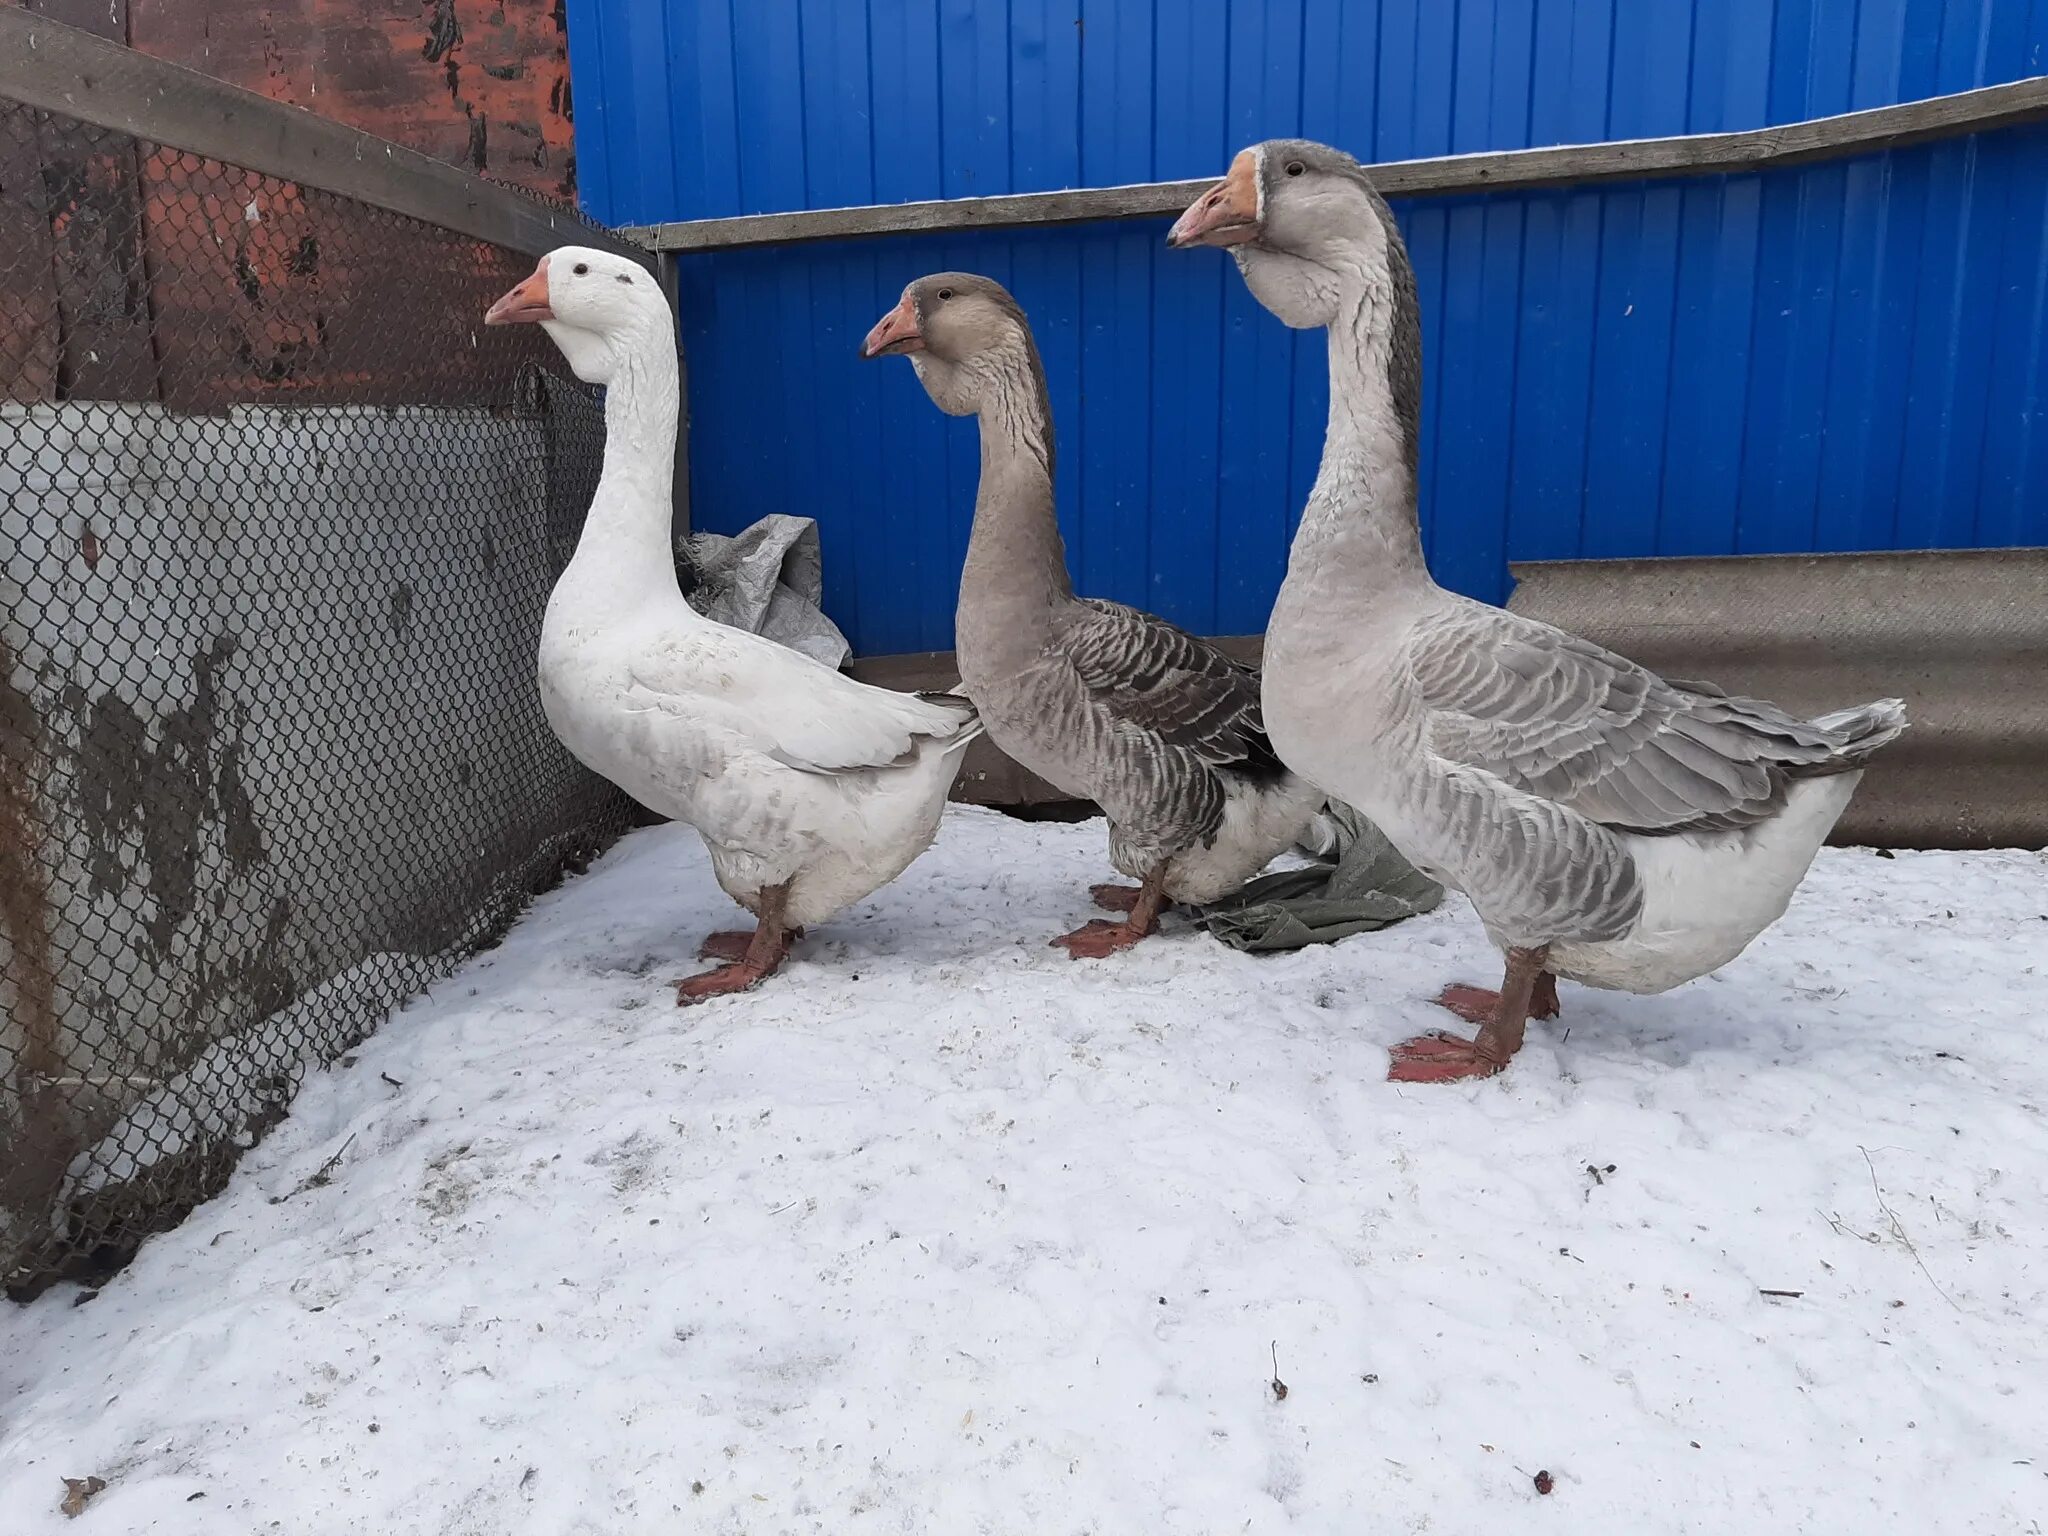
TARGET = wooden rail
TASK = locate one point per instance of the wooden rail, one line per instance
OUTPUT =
(1701, 154)
(60, 69)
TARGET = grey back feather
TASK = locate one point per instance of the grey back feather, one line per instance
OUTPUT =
(1151, 722)
(1560, 717)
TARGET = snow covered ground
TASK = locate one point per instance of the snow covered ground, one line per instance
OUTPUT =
(943, 1232)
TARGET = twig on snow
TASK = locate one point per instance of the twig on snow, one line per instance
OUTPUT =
(1899, 1230)
(322, 1176)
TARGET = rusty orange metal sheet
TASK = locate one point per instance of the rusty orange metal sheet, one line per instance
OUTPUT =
(477, 83)
(255, 289)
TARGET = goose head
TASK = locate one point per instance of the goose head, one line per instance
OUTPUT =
(597, 307)
(965, 336)
(1304, 224)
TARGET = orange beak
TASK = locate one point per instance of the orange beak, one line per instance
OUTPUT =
(526, 303)
(895, 333)
(1226, 214)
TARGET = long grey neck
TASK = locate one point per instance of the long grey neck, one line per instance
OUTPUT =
(1016, 575)
(625, 548)
(1359, 531)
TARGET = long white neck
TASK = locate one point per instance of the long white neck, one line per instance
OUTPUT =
(625, 552)
(1358, 532)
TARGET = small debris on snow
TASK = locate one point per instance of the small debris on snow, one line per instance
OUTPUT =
(1279, 1387)
(321, 1177)
(78, 1492)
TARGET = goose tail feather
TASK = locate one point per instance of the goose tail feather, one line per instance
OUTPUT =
(956, 700)
(1856, 734)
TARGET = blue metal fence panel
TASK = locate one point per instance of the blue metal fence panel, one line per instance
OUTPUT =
(1841, 356)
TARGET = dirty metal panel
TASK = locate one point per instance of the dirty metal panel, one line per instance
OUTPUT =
(29, 328)
(1960, 635)
(99, 333)
(260, 292)
(89, 178)
(265, 290)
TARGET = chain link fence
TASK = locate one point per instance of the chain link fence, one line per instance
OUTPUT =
(278, 521)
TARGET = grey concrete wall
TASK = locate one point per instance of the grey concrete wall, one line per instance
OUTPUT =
(267, 709)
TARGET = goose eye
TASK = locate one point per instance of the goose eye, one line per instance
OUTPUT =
(1295, 167)
(582, 268)
(945, 293)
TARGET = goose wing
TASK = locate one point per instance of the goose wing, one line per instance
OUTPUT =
(1560, 718)
(787, 706)
(1167, 684)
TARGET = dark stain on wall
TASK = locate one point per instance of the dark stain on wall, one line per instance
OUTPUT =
(444, 31)
(159, 795)
(25, 902)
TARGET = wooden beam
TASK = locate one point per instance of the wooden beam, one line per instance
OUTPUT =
(62, 70)
(1703, 154)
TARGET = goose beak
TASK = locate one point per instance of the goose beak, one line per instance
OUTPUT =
(524, 304)
(895, 333)
(1226, 214)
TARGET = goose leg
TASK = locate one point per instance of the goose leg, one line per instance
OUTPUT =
(1115, 898)
(766, 949)
(1098, 939)
(1476, 1005)
(732, 943)
(1441, 1058)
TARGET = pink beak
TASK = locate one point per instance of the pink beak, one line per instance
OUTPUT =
(524, 304)
(895, 333)
(1226, 214)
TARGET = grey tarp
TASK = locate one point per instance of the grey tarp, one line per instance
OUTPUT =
(769, 578)
(1358, 882)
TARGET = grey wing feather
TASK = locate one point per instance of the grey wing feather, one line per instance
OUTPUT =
(1561, 718)
(1166, 683)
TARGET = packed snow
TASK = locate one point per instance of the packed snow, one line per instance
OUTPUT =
(940, 1231)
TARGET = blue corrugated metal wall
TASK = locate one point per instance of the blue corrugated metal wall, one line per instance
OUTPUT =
(1843, 356)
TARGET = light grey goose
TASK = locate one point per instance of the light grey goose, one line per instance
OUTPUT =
(1609, 826)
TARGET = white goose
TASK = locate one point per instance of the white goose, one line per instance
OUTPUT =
(1609, 826)
(810, 789)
